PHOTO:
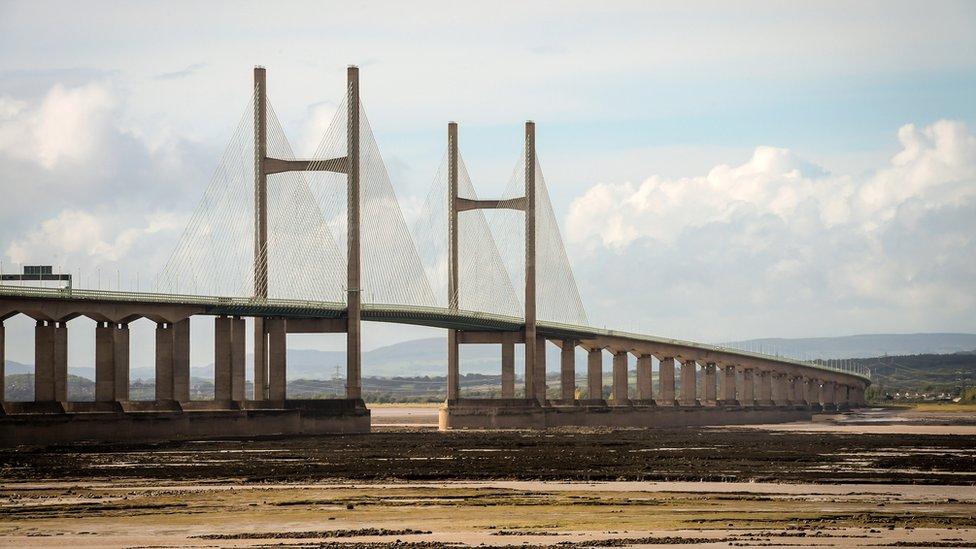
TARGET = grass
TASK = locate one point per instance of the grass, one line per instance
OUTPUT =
(944, 407)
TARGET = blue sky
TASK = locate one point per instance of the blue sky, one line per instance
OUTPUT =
(112, 116)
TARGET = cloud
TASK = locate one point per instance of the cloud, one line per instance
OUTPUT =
(65, 128)
(778, 236)
(188, 71)
(78, 237)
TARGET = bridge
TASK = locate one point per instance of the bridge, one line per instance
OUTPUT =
(320, 245)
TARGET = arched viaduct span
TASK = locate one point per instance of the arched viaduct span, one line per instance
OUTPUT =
(717, 385)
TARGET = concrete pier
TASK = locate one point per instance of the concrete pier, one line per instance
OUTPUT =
(728, 391)
(508, 365)
(277, 362)
(748, 388)
(620, 395)
(645, 391)
(567, 370)
(764, 389)
(689, 383)
(666, 381)
(105, 357)
(594, 374)
(709, 379)
(164, 361)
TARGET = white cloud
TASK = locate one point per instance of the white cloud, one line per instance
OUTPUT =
(82, 238)
(67, 126)
(899, 242)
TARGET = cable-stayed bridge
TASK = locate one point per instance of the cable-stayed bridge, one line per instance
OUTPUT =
(320, 244)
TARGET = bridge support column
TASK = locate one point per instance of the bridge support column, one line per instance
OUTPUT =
(260, 360)
(105, 357)
(620, 396)
(121, 351)
(840, 396)
(238, 360)
(728, 386)
(539, 370)
(708, 378)
(765, 397)
(222, 351)
(181, 360)
(748, 388)
(453, 367)
(50, 361)
(229, 359)
(61, 361)
(594, 374)
(781, 393)
(645, 392)
(508, 365)
(813, 392)
(799, 397)
(277, 347)
(689, 383)
(164, 361)
(567, 371)
(827, 395)
(666, 379)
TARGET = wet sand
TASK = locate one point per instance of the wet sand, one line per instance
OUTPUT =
(140, 514)
(812, 484)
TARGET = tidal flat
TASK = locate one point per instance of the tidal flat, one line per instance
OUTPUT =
(416, 487)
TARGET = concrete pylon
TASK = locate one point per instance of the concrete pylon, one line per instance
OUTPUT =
(539, 371)
(260, 230)
(238, 360)
(709, 380)
(222, 351)
(61, 361)
(453, 356)
(799, 392)
(121, 362)
(508, 365)
(164, 361)
(181, 360)
(827, 395)
(620, 395)
(594, 374)
(765, 388)
(532, 354)
(813, 393)
(666, 381)
(353, 287)
(748, 388)
(689, 383)
(105, 370)
(567, 371)
(645, 391)
(277, 353)
(728, 392)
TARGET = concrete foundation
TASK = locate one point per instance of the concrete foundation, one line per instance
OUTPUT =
(40, 424)
(528, 414)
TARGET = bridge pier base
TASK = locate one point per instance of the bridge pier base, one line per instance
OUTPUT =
(528, 414)
(28, 425)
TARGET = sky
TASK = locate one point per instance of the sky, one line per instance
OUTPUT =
(720, 170)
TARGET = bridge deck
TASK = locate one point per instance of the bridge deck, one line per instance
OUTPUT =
(437, 317)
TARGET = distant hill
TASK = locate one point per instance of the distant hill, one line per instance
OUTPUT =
(866, 345)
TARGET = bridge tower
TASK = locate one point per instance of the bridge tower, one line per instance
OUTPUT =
(535, 380)
(269, 356)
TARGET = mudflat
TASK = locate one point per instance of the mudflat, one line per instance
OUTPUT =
(414, 486)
